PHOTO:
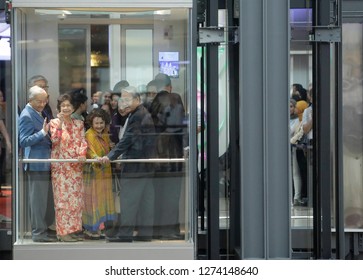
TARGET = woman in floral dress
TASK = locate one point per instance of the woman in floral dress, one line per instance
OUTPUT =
(98, 195)
(68, 142)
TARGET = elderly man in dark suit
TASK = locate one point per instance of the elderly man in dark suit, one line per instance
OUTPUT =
(168, 114)
(34, 139)
(137, 192)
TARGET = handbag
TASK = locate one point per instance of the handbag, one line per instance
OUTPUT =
(299, 133)
(304, 140)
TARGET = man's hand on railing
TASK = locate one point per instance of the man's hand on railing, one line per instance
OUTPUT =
(103, 159)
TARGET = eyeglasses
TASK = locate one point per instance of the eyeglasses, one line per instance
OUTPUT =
(40, 102)
(125, 100)
(44, 87)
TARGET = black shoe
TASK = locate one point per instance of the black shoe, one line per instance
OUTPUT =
(300, 202)
(172, 237)
(119, 239)
(51, 233)
(45, 239)
(110, 232)
(305, 200)
(143, 238)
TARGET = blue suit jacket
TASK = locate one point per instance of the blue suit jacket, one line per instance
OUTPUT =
(32, 140)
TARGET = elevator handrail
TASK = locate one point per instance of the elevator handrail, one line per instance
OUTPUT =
(150, 160)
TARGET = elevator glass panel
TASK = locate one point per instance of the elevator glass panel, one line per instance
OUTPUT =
(89, 51)
(352, 126)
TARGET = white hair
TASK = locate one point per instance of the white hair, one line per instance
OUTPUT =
(35, 91)
(132, 90)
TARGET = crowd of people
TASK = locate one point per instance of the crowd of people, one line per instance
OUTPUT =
(71, 199)
(301, 123)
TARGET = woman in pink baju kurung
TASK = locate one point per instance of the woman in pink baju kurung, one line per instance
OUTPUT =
(68, 142)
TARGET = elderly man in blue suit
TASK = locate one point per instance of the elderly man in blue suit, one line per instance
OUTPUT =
(35, 140)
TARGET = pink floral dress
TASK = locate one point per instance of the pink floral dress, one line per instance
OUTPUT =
(67, 178)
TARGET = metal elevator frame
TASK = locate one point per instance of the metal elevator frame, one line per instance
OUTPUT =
(259, 158)
(239, 245)
(253, 191)
(327, 14)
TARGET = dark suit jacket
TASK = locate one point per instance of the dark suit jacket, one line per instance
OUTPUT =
(47, 112)
(138, 142)
(117, 121)
(168, 114)
(32, 140)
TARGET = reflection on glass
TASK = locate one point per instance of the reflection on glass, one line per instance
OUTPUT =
(72, 58)
(139, 61)
(353, 125)
(86, 59)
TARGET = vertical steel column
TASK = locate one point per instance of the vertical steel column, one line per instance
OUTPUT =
(193, 165)
(339, 192)
(212, 138)
(264, 129)
(235, 182)
(316, 190)
(322, 137)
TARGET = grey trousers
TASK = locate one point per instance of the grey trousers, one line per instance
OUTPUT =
(137, 206)
(41, 202)
(167, 197)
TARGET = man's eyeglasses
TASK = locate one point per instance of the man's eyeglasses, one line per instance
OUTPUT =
(125, 100)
